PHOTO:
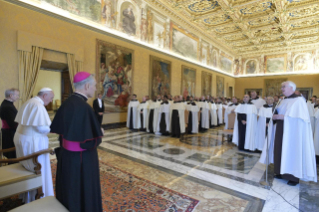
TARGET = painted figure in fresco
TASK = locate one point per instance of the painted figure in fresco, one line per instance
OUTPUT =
(128, 24)
(106, 12)
(214, 57)
(164, 36)
(251, 67)
(159, 84)
(121, 77)
(143, 29)
(109, 82)
(301, 63)
(150, 29)
(122, 99)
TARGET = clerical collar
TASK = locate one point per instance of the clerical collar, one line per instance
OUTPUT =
(234, 104)
(39, 99)
(267, 105)
(79, 94)
(164, 102)
(142, 102)
(292, 96)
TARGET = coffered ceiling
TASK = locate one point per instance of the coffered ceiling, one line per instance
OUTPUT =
(248, 27)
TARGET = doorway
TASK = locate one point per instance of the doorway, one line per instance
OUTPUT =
(230, 91)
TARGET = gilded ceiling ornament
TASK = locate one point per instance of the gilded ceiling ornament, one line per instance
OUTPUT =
(217, 20)
(258, 8)
(202, 7)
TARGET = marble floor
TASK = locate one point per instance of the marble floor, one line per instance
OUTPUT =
(205, 167)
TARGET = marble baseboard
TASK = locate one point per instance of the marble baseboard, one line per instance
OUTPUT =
(113, 125)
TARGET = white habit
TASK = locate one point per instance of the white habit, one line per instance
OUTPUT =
(220, 112)
(132, 106)
(31, 136)
(264, 113)
(181, 113)
(193, 110)
(213, 114)
(316, 133)
(164, 108)
(143, 108)
(204, 114)
(251, 124)
(298, 153)
(311, 111)
(228, 111)
(155, 106)
(258, 102)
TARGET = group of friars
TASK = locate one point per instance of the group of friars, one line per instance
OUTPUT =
(287, 123)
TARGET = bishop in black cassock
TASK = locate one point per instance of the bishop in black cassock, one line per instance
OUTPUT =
(8, 113)
(78, 173)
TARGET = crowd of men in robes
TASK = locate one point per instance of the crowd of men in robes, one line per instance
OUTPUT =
(78, 126)
(258, 121)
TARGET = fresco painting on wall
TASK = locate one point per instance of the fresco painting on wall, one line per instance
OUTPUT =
(220, 86)
(275, 63)
(225, 63)
(188, 81)
(183, 44)
(206, 83)
(259, 91)
(251, 66)
(128, 18)
(108, 14)
(273, 86)
(303, 62)
(213, 59)
(114, 68)
(160, 77)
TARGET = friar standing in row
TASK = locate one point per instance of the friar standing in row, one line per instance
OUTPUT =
(153, 115)
(132, 114)
(258, 102)
(8, 113)
(265, 113)
(204, 115)
(219, 111)
(192, 120)
(177, 114)
(245, 125)
(292, 142)
(78, 185)
(143, 109)
(163, 124)
(230, 109)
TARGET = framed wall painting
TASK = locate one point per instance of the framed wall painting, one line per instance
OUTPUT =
(220, 86)
(114, 71)
(188, 81)
(160, 77)
(273, 86)
(206, 84)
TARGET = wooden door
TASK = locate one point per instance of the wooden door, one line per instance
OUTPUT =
(66, 86)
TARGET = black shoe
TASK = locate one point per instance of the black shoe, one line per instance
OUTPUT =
(292, 183)
(278, 176)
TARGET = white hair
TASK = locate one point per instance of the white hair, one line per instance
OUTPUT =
(79, 85)
(291, 84)
(270, 97)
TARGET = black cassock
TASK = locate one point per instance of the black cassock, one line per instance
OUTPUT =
(78, 175)
(190, 119)
(8, 113)
(175, 126)
(241, 130)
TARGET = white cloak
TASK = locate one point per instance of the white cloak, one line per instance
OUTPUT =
(164, 108)
(258, 103)
(144, 107)
(316, 133)
(227, 112)
(311, 111)
(155, 106)
(298, 153)
(251, 123)
(220, 113)
(181, 113)
(31, 136)
(213, 114)
(205, 115)
(134, 105)
(263, 114)
(194, 109)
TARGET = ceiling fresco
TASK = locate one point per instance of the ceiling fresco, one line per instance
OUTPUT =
(247, 27)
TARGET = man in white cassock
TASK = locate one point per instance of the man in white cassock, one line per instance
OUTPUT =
(163, 123)
(265, 113)
(31, 136)
(230, 109)
(192, 116)
(219, 111)
(143, 115)
(177, 117)
(256, 100)
(133, 114)
(291, 147)
(245, 125)
(316, 134)
(153, 114)
(204, 115)
(311, 110)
